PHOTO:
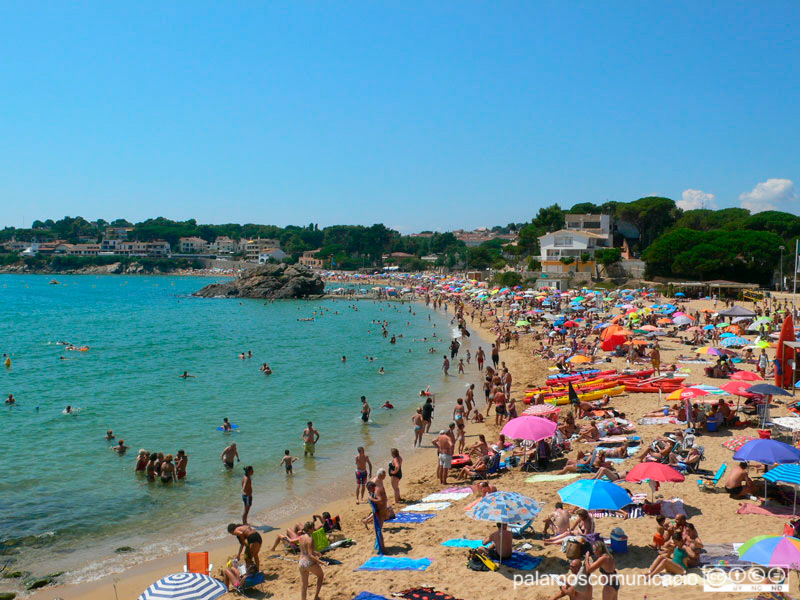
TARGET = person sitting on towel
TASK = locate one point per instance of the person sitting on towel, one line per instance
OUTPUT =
(502, 539)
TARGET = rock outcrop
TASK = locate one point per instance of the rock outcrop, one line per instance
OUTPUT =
(269, 281)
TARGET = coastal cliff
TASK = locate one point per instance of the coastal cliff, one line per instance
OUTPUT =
(269, 281)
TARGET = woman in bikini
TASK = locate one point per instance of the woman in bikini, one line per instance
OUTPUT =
(396, 473)
(248, 538)
(607, 566)
(309, 563)
(167, 470)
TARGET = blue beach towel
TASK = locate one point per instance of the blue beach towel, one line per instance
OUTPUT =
(408, 517)
(463, 543)
(522, 561)
(369, 596)
(395, 563)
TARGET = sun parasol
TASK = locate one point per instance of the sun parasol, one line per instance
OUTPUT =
(772, 551)
(505, 507)
(529, 428)
(185, 586)
(768, 452)
(687, 393)
(747, 376)
(595, 494)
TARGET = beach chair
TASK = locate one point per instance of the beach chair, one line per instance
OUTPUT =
(521, 529)
(197, 562)
(492, 467)
(711, 486)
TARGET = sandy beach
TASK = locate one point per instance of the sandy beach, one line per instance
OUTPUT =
(714, 514)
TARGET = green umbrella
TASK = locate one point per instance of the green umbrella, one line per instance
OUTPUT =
(523, 323)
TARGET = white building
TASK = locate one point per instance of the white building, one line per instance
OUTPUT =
(193, 245)
(582, 234)
(223, 245)
(254, 248)
(273, 253)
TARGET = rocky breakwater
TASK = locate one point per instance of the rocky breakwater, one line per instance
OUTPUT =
(268, 281)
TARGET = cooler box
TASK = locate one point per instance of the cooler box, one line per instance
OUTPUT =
(619, 545)
(712, 426)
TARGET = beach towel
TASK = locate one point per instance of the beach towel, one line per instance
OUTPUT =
(457, 490)
(395, 563)
(540, 477)
(426, 593)
(462, 543)
(672, 508)
(426, 507)
(521, 561)
(444, 496)
(405, 517)
(783, 512)
(718, 555)
(369, 596)
(658, 421)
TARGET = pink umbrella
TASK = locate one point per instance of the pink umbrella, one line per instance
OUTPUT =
(541, 410)
(738, 388)
(747, 376)
(529, 428)
(654, 471)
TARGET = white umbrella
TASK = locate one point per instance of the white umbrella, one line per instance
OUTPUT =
(185, 586)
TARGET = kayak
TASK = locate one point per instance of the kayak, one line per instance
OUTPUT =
(588, 397)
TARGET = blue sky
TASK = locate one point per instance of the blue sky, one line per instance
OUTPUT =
(432, 115)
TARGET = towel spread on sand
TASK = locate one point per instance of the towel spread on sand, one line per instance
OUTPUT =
(672, 508)
(445, 496)
(522, 561)
(658, 421)
(369, 596)
(407, 517)
(463, 543)
(395, 563)
(784, 512)
(539, 477)
(426, 507)
(425, 593)
(457, 490)
(720, 555)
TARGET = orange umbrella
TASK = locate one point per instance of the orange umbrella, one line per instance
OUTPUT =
(637, 342)
(664, 321)
(734, 329)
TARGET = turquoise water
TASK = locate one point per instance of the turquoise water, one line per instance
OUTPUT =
(67, 500)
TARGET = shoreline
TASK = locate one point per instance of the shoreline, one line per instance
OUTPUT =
(131, 581)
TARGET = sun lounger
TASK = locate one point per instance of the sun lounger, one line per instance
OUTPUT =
(711, 486)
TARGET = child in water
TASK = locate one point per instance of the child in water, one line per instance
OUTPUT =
(287, 461)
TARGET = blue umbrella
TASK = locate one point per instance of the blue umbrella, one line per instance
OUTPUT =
(595, 494)
(734, 341)
(768, 452)
(185, 586)
(505, 507)
(680, 295)
(708, 327)
(785, 473)
(767, 389)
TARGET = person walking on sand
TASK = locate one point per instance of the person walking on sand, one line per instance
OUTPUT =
(480, 356)
(396, 474)
(310, 564)
(418, 425)
(655, 359)
(444, 443)
(495, 355)
(362, 462)
(247, 492)
(310, 439)
(228, 455)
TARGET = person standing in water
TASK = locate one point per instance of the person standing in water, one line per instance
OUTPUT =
(365, 409)
(228, 455)
(247, 492)
(310, 439)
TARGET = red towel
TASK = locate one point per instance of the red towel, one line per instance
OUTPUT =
(746, 508)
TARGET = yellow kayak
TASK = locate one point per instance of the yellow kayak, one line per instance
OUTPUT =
(589, 396)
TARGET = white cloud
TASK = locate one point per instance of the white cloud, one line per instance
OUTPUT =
(694, 199)
(770, 195)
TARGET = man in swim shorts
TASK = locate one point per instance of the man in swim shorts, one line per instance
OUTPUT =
(445, 445)
(365, 409)
(247, 492)
(228, 455)
(362, 464)
(310, 439)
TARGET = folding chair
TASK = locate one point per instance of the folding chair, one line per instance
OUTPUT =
(197, 562)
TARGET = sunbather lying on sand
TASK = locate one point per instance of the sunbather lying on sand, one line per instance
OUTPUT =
(581, 527)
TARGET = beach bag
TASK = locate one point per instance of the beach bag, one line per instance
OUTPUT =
(480, 562)
(574, 549)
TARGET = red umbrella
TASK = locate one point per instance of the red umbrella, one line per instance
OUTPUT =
(654, 471)
(746, 376)
(570, 324)
(738, 388)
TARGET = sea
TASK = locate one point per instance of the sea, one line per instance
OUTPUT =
(69, 503)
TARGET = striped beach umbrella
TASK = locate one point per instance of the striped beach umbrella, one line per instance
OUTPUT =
(185, 586)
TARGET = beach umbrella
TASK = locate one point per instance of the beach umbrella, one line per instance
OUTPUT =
(523, 323)
(738, 388)
(595, 494)
(767, 389)
(768, 452)
(682, 320)
(185, 586)
(687, 393)
(786, 474)
(529, 428)
(505, 507)
(746, 376)
(772, 551)
(654, 471)
(539, 410)
(579, 358)
(708, 327)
